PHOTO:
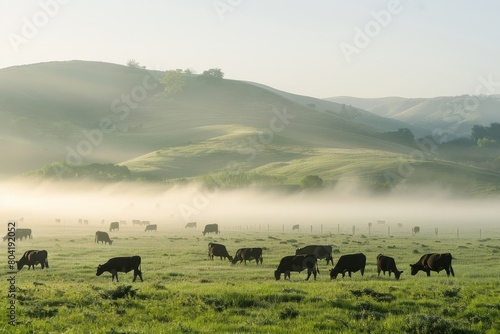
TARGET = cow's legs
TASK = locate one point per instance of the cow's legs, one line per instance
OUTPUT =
(451, 270)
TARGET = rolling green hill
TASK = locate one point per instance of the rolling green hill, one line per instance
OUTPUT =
(453, 114)
(225, 132)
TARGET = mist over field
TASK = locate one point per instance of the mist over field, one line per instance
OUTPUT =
(335, 210)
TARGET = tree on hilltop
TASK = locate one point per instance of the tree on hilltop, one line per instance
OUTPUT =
(213, 74)
(174, 81)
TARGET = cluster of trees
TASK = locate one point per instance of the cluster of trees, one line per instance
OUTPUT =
(95, 171)
(175, 80)
(485, 136)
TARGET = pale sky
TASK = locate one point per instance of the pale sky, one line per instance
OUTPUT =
(320, 48)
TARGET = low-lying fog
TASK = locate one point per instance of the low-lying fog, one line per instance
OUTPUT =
(336, 210)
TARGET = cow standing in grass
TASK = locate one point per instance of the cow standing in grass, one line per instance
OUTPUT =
(190, 225)
(114, 226)
(21, 233)
(122, 265)
(387, 263)
(32, 258)
(321, 252)
(211, 228)
(349, 263)
(297, 263)
(103, 237)
(218, 250)
(151, 228)
(248, 254)
(433, 262)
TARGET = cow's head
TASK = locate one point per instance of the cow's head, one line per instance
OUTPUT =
(19, 265)
(398, 273)
(277, 275)
(110, 242)
(230, 258)
(333, 274)
(414, 269)
(100, 270)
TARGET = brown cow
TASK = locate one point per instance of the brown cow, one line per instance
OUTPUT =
(248, 254)
(321, 252)
(433, 262)
(33, 257)
(387, 263)
(103, 237)
(211, 228)
(151, 227)
(114, 226)
(218, 250)
(122, 265)
(297, 263)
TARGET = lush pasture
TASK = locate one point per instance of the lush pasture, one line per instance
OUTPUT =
(184, 292)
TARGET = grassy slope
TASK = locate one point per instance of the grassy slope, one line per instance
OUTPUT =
(206, 129)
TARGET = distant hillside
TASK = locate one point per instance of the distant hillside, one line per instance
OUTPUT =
(218, 132)
(453, 114)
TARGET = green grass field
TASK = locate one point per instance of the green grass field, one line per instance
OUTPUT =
(184, 292)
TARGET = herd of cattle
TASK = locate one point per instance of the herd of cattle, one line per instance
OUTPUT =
(305, 258)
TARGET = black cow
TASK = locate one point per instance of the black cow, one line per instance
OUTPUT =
(433, 262)
(211, 228)
(33, 257)
(415, 230)
(114, 226)
(218, 250)
(248, 254)
(349, 263)
(321, 252)
(387, 263)
(122, 265)
(151, 227)
(190, 225)
(21, 233)
(103, 237)
(297, 263)
(296, 227)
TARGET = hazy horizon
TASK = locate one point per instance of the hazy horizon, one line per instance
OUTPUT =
(321, 49)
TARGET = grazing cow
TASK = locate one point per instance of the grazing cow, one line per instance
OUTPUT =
(248, 254)
(400, 225)
(21, 233)
(151, 227)
(297, 263)
(211, 228)
(136, 222)
(123, 222)
(114, 226)
(218, 250)
(435, 262)
(102, 237)
(190, 225)
(415, 230)
(387, 263)
(296, 227)
(349, 263)
(122, 265)
(321, 252)
(33, 257)
(145, 222)
(86, 221)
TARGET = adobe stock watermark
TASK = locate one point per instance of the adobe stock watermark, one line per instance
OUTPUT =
(121, 106)
(372, 29)
(222, 7)
(31, 25)
(255, 144)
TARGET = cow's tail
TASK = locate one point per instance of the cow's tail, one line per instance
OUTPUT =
(317, 267)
